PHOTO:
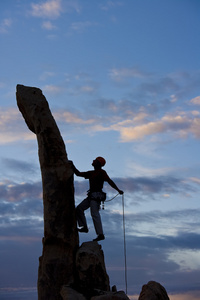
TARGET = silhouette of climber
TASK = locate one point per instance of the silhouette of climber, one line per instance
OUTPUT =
(95, 196)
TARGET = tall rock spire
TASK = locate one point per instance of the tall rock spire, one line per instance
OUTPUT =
(60, 241)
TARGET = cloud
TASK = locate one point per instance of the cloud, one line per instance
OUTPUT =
(12, 126)
(162, 85)
(148, 257)
(2, 85)
(79, 27)
(72, 5)
(68, 117)
(131, 125)
(87, 89)
(16, 192)
(5, 25)
(177, 228)
(195, 180)
(52, 9)
(164, 185)
(111, 4)
(48, 25)
(18, 166)
(52, 89)
(140, 170)
(192, 295)
(48, 9)
(123, 73)
(195, 101)
(45, 75)
(182, 125)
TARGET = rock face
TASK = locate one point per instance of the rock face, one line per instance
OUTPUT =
(90, 269)
(68, 293)
(60, 242)
(153, 291)
(111, 296)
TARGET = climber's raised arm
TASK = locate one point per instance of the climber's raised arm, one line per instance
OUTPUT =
(113, 185)
(76, 171)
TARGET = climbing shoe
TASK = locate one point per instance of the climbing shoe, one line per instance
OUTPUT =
(83, 229)
(100, 237)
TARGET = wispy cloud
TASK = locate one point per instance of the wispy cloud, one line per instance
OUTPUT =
(192, 295)
(85, 88)
(181, 125)
(46, 75)
(80, 26)
(52, 9)
(18, 166)
(49, 9)
(138, 125)
(195, 101)
(111, 4)
(52, 89)
(69, 117)
(195, 180)
(5, 25)
(17, 192)
(12, 129)
(48, 25)
(124, 73)
(149, 185)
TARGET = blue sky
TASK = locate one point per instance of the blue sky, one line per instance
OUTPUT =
(122, 81)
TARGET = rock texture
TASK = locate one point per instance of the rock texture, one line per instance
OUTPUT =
(60, 242)
(69, 293)
(111, 296)
(90, 269)
(153, 291)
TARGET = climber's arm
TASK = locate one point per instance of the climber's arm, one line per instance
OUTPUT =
(76, 171)
(113, 185)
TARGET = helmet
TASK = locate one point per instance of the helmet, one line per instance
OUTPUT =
(101, 160)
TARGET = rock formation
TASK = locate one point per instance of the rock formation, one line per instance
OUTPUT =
(66, 271)
(90, 269)
(60, 242)
(153, 291)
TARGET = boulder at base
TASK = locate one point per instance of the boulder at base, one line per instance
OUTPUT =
(90, 268)
(153, 291)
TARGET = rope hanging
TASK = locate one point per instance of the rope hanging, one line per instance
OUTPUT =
(124, 231)
(125, 269)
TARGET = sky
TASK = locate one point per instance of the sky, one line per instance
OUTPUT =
(122, 81)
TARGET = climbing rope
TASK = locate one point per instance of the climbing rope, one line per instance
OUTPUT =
(124, 231)
(125, 265)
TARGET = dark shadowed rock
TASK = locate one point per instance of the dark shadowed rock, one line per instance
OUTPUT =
(111, 296)
(68, 293)
(153, 291)
(60, 241)
(90, 268)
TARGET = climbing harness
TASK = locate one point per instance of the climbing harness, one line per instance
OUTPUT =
(124, 231)
(108, 200)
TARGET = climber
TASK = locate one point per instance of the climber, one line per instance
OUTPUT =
(95, 196)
